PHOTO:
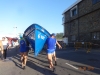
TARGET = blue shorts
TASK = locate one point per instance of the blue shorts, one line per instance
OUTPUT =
(23, 50)
(27, 49)
(50, 51)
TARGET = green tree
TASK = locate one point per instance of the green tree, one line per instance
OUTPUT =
(59, 36)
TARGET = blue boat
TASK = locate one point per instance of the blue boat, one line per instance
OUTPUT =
(36, 36)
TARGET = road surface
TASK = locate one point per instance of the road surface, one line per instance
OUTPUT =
(70, 62)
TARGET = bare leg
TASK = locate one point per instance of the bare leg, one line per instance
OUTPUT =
(50, 60)
(25, 58)
(22, 59)
(54, 55)
(2, 54)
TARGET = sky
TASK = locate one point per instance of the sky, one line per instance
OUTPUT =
(23, 13)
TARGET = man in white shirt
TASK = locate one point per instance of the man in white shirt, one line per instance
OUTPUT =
(5, 47)
(1, 49)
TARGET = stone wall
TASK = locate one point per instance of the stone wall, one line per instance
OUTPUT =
(88, 20)
(67, 16)
(87, 6)
(89, 23)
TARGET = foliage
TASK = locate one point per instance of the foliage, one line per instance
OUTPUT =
(59, 35)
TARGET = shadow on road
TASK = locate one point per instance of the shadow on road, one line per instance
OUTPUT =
(33, 63)
(82, 57)
(44, 70)
(40, 65)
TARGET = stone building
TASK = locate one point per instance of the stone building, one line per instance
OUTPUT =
(81, 21)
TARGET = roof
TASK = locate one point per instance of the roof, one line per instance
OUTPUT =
(72, 5)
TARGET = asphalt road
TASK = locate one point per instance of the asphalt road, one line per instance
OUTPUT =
(70, 62)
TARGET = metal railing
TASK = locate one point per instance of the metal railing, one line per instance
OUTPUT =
(86, 45)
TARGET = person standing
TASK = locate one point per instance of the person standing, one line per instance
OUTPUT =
(5, 47)
(1, 50)
(51, 42)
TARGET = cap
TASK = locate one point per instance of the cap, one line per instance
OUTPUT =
(53, 34)
(21, 36)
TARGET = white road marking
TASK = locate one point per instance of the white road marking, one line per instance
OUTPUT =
(72, 66)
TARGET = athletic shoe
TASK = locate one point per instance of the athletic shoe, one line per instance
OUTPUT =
(24, 68)
(55, 63)
(53, 69)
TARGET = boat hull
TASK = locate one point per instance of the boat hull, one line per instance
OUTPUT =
(36, 36)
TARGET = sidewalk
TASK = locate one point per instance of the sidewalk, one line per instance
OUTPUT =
(7, 67)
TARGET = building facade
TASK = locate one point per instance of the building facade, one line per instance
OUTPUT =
(81, 21)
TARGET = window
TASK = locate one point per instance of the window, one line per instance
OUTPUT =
(95, 1)
(96, 36)
(73, 11)
(63, 19)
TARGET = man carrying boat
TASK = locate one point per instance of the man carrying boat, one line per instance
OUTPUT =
(23, 51)
(51, 46)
